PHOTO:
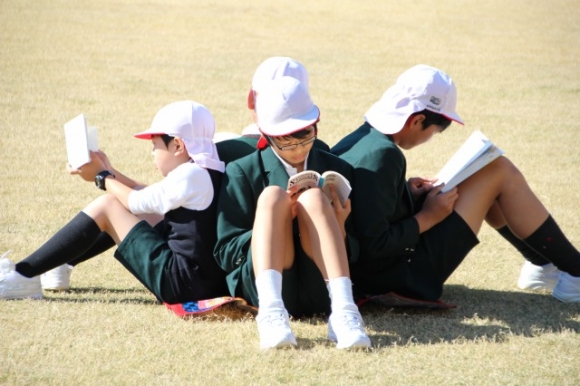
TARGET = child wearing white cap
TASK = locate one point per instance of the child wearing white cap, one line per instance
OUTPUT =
(171, 252)
(279, 247)
(232, 146)
(412, 236)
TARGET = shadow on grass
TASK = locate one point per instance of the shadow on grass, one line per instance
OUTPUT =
(102, 295)
(481, 314)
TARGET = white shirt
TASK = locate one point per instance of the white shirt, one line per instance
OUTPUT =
(188, 186)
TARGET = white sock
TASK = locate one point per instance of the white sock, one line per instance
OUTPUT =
(340, 291)
(269, 287)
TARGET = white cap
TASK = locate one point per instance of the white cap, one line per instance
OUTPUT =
(285, 107)
(276, 67)
(194, 124)
(419, 88)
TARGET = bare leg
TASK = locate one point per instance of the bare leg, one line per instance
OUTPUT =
(272, 251)
(112, 217)
(272, 244)
(320, 234)
(502, 183)
(104, 214)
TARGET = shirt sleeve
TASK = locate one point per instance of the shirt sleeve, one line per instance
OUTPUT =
(188, 186)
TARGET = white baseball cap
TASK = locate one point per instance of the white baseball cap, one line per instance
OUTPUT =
(419, 88)
(194, 124)
(276, 67)
(285, 107)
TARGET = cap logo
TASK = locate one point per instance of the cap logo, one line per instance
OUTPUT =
(436, 101)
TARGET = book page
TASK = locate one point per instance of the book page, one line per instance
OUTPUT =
(473, 147)
(77, 141)
(489, 155)
(341, 184)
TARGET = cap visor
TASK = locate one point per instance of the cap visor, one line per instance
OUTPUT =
(454, 118)
(146, 134)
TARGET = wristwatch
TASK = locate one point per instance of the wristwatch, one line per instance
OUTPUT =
(100, 179)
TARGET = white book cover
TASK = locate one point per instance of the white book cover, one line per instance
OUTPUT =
(80, 139)
(476, 152)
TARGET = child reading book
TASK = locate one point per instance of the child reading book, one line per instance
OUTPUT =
(412, 238)
(172, 252)
(287, 253)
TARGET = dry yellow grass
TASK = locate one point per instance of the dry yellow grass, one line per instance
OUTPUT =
(517, 67)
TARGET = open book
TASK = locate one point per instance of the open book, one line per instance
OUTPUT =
(80, 139)
(311, 179)
(476, 152)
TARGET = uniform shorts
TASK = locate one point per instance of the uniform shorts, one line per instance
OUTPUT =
(422, 273)
(145, 253)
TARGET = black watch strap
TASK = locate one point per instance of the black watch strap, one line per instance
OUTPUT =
(100, 179)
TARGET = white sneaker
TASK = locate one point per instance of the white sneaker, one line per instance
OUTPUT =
(568, 288)
(274, 328)
(347, 329)
(57, 279)
(15, 286)
(538, 277)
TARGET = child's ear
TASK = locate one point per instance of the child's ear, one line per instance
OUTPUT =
(251, 99)
(417, 121)
(179, 146)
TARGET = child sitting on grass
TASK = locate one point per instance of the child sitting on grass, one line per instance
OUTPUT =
(412, 235)
(171, 252)
(286, 252)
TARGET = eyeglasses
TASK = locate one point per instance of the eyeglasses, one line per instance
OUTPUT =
(293, 146)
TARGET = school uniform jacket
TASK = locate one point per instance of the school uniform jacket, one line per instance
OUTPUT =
(382, 204)
(243, 182)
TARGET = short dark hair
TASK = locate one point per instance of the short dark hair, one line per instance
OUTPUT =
(432, 118)
(166, 139)
(301, 133)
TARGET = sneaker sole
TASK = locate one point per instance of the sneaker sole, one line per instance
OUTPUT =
(21, 297)
(564, 298)
(55, 289)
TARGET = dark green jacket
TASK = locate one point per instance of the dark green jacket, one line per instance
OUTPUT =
(242, 184)
(382, 205)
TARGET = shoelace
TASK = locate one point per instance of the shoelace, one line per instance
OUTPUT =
(352, 322)
(277, 319)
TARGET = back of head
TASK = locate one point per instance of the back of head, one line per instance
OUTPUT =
(419, 88)
(277, 67)
(194, 124)
(285, 107)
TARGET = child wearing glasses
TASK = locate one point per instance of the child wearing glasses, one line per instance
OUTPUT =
(274, 67)
(284, 252)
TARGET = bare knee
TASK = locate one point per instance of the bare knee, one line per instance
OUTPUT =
(101, 205)
(313, 200)
(510, 174)
(273, 197)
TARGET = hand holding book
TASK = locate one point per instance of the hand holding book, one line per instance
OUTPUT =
(312, 179)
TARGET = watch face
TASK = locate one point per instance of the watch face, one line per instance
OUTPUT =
(100, 179)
